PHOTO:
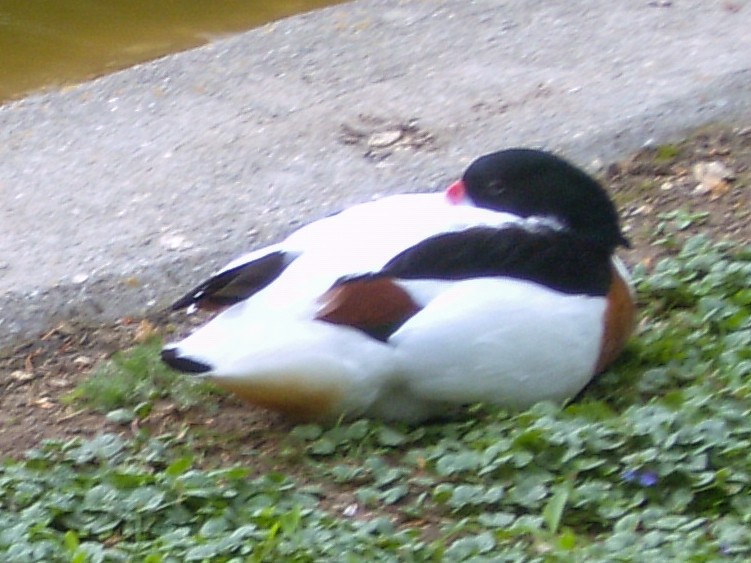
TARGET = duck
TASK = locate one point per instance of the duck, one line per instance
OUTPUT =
(503, 289)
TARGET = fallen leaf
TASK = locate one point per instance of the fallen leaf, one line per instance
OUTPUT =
(144, 331)
(44, 403)
(384, 138)
(713, 177)
(667, 185)
(83, 361)
(22, 376)
(58, 382)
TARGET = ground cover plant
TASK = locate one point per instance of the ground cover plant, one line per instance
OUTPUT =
(650, 463)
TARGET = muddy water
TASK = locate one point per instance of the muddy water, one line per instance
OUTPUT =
(47, 43)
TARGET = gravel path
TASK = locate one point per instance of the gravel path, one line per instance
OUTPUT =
(118, 194)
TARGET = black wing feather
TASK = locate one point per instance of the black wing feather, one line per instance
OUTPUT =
(551, 257)
(237, 284)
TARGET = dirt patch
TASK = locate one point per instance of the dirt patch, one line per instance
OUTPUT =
(661, 194)
(671, 192)
(378, 138)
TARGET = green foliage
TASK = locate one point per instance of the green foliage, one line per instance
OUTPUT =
(112, 500)
(651, 464)
(127, 384)
(666, 153)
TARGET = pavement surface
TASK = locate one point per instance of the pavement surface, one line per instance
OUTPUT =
(119, 194)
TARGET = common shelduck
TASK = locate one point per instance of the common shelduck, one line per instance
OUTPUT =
(504, 289)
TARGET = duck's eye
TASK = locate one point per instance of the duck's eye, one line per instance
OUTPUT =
(496, 187)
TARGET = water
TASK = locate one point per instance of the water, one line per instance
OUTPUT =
(55, 42)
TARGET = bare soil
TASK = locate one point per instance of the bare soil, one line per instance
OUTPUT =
(657, 190)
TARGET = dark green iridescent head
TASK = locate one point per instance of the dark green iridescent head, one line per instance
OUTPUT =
(529, 182)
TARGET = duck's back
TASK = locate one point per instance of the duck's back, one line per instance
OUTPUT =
(363, 239)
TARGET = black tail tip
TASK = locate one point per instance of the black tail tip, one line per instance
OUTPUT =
(171, 357)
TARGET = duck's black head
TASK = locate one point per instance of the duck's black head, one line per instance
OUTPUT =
(529, 182)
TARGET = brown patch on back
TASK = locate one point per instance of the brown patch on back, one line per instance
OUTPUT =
(290, 397)
(372, 305)
(620, 315)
